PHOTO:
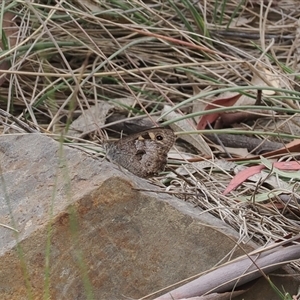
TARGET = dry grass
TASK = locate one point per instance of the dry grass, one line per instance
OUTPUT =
(67, 59)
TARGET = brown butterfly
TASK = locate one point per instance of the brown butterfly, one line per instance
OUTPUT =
(144, 153)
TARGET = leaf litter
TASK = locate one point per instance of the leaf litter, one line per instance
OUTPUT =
(71, 58)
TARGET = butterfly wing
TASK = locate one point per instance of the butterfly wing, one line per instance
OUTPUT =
(144, 153)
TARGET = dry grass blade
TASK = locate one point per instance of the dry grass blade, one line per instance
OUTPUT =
(239, 271)
(175, 53)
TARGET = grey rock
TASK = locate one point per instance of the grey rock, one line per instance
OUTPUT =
(105, 238)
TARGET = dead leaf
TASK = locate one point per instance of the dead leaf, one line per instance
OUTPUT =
(248, 172)
(195, 140)
(242, 176)
(264, 77)
(290, 148)
(221, 102)
(91, 119)
(241, 21)
(239, 271)
(219, 296)
(234, 152)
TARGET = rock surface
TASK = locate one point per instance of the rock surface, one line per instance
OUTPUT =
(101, 237)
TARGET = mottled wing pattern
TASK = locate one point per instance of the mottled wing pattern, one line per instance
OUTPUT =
(144, 153)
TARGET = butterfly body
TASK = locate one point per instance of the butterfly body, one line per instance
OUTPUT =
(144, 153)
